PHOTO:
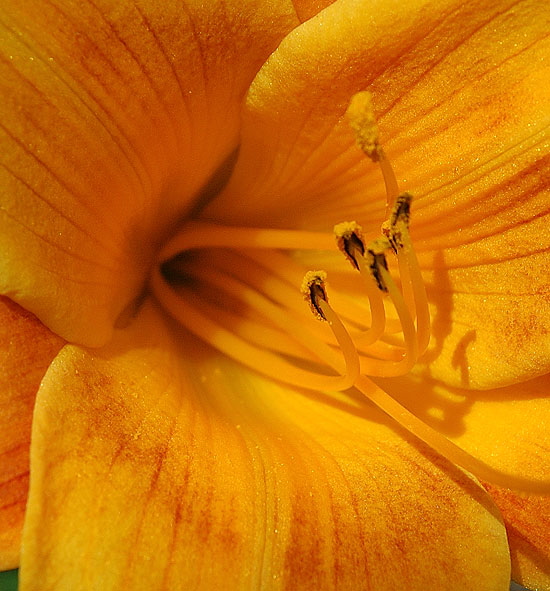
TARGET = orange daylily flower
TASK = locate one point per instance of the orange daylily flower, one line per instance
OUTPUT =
(168, 172)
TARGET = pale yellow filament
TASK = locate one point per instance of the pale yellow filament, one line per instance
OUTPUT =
(201, 235)
(289, 322)
(382, 368)
(390, 181)
(278, 369)
(350, 242)
(383, 364)
(378, 312)
(444, 446)
(254, 331)
(279, 290)
(240, 350)
(284, 294)
(406, 282)
(414, 276)
(287, 269)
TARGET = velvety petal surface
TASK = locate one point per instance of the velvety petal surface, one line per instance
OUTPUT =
(158, 464)
(114, 116)
(528, 526)
(508, 428)
(305, 9)
(26, 350)
(462, 99)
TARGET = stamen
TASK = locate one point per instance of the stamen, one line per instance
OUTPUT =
(349, 240)
(271, 335)
(314, 292)
(289, 271)
(379, 267)
(276, 274)
(414, 290)
(291, 323)
(283, 293)
(277, 368)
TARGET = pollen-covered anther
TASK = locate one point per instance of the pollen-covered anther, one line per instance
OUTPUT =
(314, 292)
(398, 223)
(376, 258)
(363, 122)
(401, 210)
(361, 119)
(349, 239)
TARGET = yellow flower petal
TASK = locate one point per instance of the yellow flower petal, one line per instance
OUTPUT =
(528, 527)
(158, 464)
(507, 427)
(114, 115)
(26, 350)
(305, 9)
(463, 103)
(495, 291)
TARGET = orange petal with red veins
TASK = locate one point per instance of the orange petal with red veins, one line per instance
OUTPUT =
(462, 99)
(114, 115)
(159, 464)
(26, 349)
(528, 525)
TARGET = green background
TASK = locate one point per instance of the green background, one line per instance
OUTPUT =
(8, 581)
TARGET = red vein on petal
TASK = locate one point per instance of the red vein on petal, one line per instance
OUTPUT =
(424, 75)
(140, 64)
(43, 238)
(126, 150)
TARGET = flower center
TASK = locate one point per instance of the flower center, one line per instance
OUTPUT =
(237, 290)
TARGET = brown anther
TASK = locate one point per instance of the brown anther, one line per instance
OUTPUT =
(376, 257)
(402, 209)
(349, 239)
(313, 290)
(399, 221)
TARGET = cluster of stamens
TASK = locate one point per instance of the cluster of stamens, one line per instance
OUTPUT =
(235, 289)
(241, 299)
(409, 301)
